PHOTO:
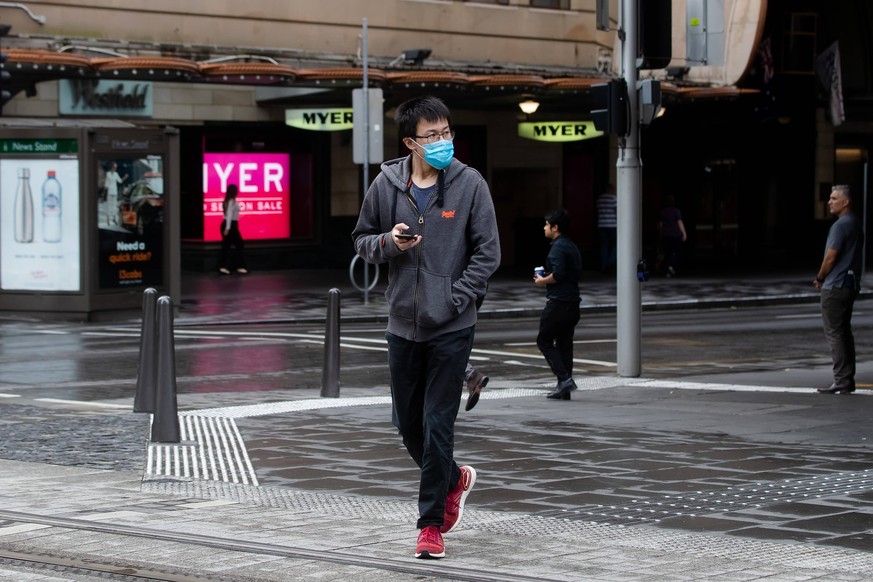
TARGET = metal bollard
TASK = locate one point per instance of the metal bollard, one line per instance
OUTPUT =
(330, 377)
(165, 423)
(144, 400)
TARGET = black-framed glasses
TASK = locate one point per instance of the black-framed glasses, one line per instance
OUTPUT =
(447, 135)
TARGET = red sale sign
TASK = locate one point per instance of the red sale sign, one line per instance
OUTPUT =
(264, 197)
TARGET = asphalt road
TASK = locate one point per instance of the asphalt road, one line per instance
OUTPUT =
(98, 362)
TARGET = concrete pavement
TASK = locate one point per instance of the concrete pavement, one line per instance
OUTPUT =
(710, 478)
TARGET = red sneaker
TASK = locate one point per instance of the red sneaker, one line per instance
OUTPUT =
(456, 498)
(430, 543)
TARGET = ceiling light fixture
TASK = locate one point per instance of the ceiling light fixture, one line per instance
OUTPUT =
(529, 106)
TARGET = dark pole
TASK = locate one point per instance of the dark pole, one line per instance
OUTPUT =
(330, 387)
(165, 424)
(144, 401)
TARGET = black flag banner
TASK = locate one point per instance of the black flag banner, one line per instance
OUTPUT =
(827, 67)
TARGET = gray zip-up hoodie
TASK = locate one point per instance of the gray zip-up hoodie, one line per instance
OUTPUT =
(432, 288)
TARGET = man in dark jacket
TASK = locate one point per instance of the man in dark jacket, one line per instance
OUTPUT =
(561, 314)
(436, 271)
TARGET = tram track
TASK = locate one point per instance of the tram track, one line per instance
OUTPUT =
(117, 569)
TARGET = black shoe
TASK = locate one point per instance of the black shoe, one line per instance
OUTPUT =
(834, 389)
(556, 396)
(477, 381)
(564, 387)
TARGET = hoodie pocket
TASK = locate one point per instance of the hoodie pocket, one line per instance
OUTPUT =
(429, 303)
(435, 306)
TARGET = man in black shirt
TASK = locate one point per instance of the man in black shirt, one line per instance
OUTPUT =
(561, 314)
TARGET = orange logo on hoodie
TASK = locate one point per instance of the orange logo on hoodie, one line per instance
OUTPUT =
(448, 213)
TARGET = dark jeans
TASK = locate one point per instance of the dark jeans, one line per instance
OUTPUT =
(607, 248)
(672, 247)
(555, 339)
(426, 384)
(232, 238)
(836, 315)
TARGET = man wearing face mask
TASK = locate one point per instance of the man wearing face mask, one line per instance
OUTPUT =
(431, 218)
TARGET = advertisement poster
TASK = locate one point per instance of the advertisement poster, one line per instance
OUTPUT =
(264, 197)
(130, 218)
(39, 224)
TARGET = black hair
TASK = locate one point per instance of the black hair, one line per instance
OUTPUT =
(229, 195)
(560, 218)
(427, 107)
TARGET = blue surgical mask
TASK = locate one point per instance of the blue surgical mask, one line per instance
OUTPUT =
(438, 154)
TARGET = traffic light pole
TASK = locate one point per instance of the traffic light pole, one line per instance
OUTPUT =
(628, 189)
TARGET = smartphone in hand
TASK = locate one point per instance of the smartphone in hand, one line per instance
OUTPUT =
(405, 236)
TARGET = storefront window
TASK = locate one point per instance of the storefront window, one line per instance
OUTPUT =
(273, 171)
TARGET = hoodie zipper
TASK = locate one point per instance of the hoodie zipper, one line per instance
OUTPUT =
(418, 263)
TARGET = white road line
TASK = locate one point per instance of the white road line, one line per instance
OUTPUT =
(597, 341)
(804, 316)
(540, 357)
(728, 387)
(84, 403)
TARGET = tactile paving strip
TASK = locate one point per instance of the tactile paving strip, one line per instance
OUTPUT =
(729, 499)
(573, 531)
(212, 448)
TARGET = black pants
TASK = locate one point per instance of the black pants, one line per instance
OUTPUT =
(836, 314)
(672, 247)
(235, 239)
(426, 384)
(555, 340)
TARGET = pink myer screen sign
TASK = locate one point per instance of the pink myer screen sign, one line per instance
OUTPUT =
(264, 197)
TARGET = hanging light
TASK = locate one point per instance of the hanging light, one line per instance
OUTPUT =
(529, 106)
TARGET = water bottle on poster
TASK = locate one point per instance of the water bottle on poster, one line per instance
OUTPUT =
(23, 211)
(51, 209)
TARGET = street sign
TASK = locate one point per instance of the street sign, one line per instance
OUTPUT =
(368, 126)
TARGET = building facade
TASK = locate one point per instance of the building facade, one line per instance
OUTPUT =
(746, 144)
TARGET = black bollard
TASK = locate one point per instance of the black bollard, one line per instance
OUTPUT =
(330, 377)
(165, 423)
(144, 401)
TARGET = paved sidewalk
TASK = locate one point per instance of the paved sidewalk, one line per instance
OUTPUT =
(223, 530)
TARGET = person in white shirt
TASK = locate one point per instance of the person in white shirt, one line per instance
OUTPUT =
(111, 182)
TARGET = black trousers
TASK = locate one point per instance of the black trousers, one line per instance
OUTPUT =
(836, 314)
(555, 339)
(235, 239)
(426, 384)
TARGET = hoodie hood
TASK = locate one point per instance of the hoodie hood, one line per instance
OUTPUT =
(399, 173)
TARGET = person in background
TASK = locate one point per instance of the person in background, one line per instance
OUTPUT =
(230, 235)
(475, 381)
(473, 378)
(839, 278)
(561, 314)
(671, 232)
(111, 182)
(607, 223)
(436, 273)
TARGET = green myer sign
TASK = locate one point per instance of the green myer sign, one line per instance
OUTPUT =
(39, 146)
(558, 131)
(331, 119)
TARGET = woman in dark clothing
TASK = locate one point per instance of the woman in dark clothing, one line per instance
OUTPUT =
(230, 235)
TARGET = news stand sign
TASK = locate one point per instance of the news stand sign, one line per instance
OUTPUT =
(39, 215)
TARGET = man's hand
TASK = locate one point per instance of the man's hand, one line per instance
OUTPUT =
(403, 240)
